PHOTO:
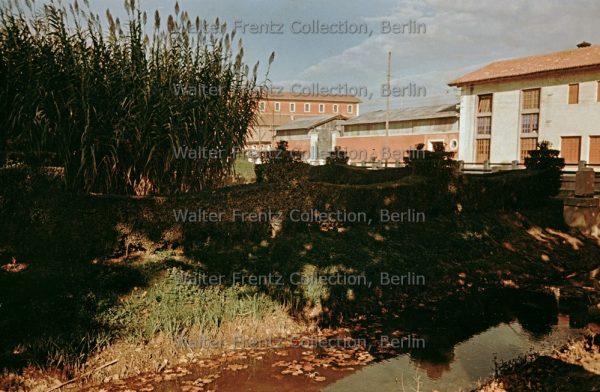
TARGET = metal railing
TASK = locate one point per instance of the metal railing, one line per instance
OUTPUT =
(476, 167)
(379, 164)
(488, 167)
(568, 178)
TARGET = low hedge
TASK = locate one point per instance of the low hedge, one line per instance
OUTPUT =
(38, 216)
(351, 175)
(281, 172)
(507, 189)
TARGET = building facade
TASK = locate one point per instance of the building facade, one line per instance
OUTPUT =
(312, 137)
(280, 108)
(364, 137)
(508, 106)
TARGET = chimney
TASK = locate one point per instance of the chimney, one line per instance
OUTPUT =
(583, 44)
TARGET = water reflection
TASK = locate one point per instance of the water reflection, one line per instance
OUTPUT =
(463, 339)
(464, 365)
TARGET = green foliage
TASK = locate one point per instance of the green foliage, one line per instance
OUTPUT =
(352, 175)
(175, 303)
(437, 163)
(280, 165)
(337, 157)
(115, 109)
(244, 170)
(545, 159)
(503, 190)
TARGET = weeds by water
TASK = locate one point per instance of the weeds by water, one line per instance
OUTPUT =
(174, 309)
(99, 313)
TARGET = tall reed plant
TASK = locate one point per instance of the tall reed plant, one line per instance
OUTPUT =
(121, 104)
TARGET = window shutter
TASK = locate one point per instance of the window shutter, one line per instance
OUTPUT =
(573, 93)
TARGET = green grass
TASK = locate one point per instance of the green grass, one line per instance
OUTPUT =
(244, 169)
(173, 305)
(56, 315)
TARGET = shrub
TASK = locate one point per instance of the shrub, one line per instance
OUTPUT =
(502, 190)
(437, 163)
(351, 175)
(545, 159)
(337, 157)
(116, 108)
(280, 165)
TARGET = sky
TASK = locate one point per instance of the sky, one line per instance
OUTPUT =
(444, 39)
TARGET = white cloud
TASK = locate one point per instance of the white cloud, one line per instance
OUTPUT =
(460, 35)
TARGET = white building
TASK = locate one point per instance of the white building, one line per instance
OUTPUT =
(313, 138)
(508, 106)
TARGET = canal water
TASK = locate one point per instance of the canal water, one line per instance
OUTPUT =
(460, 368)
(457, 344)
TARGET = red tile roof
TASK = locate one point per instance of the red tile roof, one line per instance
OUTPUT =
(525, 66)
(291, 96)
(273, 119)
(310, 122)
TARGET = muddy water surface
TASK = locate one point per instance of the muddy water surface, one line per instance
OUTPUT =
(453, 346)
(464, 366)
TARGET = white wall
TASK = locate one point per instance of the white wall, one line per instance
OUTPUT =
(557, 117)
(466, 141)
(560, 119)
(397, 128)
(505, 126)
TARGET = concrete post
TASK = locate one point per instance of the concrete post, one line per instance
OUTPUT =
(582, 165)
(583, 210)
(486, 165)
(515, 165)
(456, 168)
(584, 182)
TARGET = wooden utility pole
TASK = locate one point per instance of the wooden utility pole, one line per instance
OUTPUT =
(387, 109)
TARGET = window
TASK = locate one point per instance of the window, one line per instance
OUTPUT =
(594, 157)
(349, 109)
(484, 125)
(437, 145)
(485, 104)
(335, 108)
(277, 106)
(262, 106)
(292, 107)
(483, 150)
(531, 99)
(530, 111)
(321, 108)
(530, 122)
(527, 144)
(484, 115)
(573, 93)
(570, 149)
(484, 128)
(306, 107)
(453, 144)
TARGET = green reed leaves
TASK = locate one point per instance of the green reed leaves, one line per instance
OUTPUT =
(114, 102)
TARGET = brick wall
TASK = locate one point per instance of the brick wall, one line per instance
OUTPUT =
(364, 147)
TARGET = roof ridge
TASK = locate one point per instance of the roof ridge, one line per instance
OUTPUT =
(573, 58)
(587, 48)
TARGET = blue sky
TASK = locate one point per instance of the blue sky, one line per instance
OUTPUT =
(460, 35)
